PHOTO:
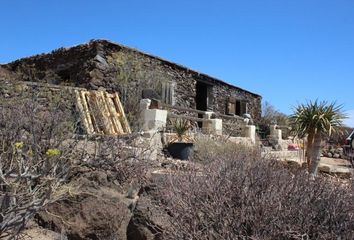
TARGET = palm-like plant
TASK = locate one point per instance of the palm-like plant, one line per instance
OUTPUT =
(181, 127)
(316, 120)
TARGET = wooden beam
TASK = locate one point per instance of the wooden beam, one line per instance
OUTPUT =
(123, 118)
(94, 109)
(104, 111)
(183, 108)
(114, 115)
(87, 112)
(172, 115)
(84, 118)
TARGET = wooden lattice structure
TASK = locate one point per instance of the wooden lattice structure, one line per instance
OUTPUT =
(101, 113)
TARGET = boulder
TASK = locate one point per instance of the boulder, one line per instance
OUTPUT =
(101, 62)
(38, 233)
(95, 209)
(339, 150)
(148, 220)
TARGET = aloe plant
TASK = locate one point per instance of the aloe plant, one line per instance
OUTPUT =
(316, 120)
(181, 127)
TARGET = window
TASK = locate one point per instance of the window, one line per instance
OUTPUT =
(210, 98)
(231, 106)
(243, 107)
(236, 106)
(167, 93)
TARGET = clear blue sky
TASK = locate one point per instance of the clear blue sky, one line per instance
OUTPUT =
(286, 51)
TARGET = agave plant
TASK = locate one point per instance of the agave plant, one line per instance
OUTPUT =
(181, 127)
(316, 120)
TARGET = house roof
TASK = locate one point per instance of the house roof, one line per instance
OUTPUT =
(175, 65)
(172, 64)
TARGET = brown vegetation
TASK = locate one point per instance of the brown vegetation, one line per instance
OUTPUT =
(103, 187)
(35, 159)
(239, 195)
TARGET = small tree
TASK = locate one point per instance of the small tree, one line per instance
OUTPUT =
(271, 116)
(316, 120)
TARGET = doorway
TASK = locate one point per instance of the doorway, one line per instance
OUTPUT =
(203, 98)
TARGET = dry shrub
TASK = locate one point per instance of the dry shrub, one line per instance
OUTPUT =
(35, 160)
(107, 178)
(125, 156)
(104, 178)
(239, 195)
(208, 149)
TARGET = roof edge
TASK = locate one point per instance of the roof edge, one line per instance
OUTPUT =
(176, 64)
(105, 41)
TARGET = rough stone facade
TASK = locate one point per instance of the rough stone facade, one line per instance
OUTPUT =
(43, 100)
(116, 68)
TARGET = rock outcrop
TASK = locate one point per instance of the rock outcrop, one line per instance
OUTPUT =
(96, 209)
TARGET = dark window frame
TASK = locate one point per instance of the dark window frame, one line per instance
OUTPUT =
(236, 106)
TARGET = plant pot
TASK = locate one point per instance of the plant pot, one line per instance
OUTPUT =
(180, 150)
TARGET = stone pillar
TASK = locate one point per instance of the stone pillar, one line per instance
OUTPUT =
(250, 132)
(151, 119)
(208, 115)
(211, 126)
(275, 133)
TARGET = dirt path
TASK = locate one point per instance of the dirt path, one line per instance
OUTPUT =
(336, 165)
(335, 161)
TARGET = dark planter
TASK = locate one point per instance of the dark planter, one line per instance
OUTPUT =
(180, 150)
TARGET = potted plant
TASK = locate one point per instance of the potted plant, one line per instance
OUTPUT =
(181, 146)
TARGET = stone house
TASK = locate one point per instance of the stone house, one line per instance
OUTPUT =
(117, 68)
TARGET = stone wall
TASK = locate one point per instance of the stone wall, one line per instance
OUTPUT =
(223, 92)
(102, 64)
(63, 66)
(233, 127)
(136, 71)
(43, 101)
